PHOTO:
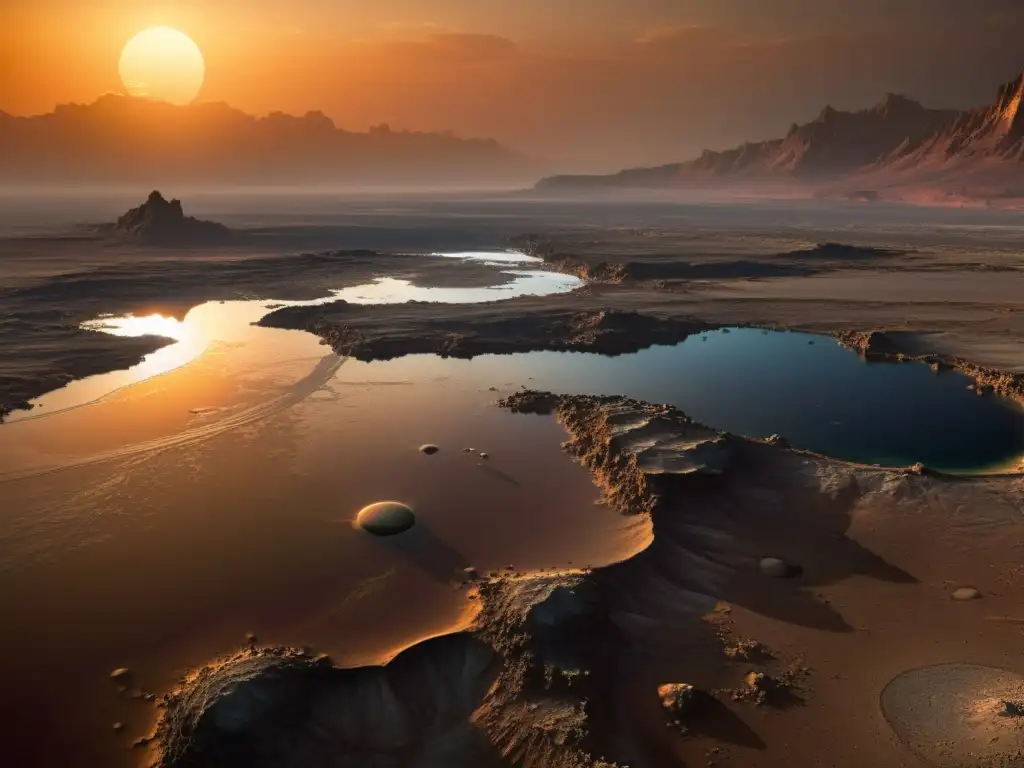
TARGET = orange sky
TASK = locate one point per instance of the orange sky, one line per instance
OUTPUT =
(596, 83)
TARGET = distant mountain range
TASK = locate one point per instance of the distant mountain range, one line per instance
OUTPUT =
(893, 147)
(119, 139)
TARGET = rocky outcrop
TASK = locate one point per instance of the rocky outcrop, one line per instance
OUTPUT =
(854, 155)
(991, 133)
(353, 330)
(843, 252)
(162, 222)
(537, 680)
(881, 347)
(6, 409)
(833, 144)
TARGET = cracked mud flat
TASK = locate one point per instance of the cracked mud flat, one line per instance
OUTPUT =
(564, 670)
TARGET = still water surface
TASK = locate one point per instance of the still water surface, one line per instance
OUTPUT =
(161, 519)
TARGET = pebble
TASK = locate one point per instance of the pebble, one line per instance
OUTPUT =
(121, 673)
(430, 449)
(966, 593)
(484, 455)
(386, 518)
(471, 573)
(118, 727)
(775, 567)
(250, 638)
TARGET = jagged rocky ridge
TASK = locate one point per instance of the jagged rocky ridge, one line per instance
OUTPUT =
(563, 670)
(896, 139)
(350, 330)
(881, 347)
(163, 222)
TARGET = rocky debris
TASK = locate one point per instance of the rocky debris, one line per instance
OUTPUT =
(762, 688)
(746, 650)
(162, 222)
(880, 347)
(1013, 707)
(871, 345)
(963, 594)
(628, 444)
(386, 518)
(479, 697)
(121, 674)
(118, 727)
(429, 449)
(470, 573)
(484, 455)
(676, 698)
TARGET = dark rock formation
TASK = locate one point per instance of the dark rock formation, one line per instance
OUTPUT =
(366, 333)
(537, 679)
(880, 346)
(162, 222)
(843, 251)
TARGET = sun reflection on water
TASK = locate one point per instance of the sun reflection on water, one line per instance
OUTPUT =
(231, 325)
(188, 344)
(148, 325)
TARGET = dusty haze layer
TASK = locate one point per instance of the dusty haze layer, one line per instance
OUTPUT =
(589, 87)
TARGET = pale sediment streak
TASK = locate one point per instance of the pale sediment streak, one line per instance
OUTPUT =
(323, 372)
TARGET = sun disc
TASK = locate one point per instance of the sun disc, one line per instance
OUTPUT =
(162, 63)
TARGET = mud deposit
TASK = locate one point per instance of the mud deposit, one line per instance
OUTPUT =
(731, 600)
(803, 388)
(565, 670)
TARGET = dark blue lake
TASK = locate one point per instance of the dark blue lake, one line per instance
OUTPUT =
(807, 388)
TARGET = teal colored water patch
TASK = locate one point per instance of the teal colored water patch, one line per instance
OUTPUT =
(807, 388)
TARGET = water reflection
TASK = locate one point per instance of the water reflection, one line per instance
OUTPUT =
(819, 395)
(216, 324)
(389, 290)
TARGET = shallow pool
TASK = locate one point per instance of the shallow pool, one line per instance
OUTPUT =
(807, 388)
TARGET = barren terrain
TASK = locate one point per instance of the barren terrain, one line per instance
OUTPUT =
(788, 589)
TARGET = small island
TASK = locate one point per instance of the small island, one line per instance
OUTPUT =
(162, 222)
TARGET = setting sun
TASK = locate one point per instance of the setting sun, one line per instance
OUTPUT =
(162, 63)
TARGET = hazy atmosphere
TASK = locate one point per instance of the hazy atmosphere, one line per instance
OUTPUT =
(520, 384)
(584, 85)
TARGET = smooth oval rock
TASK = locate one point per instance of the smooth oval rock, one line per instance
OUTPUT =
(430, 449)
(774, 567)
(966, 593)
(386, 518)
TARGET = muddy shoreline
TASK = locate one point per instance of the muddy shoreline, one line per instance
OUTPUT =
(564, 670)
(948, 295)
(43, 347)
